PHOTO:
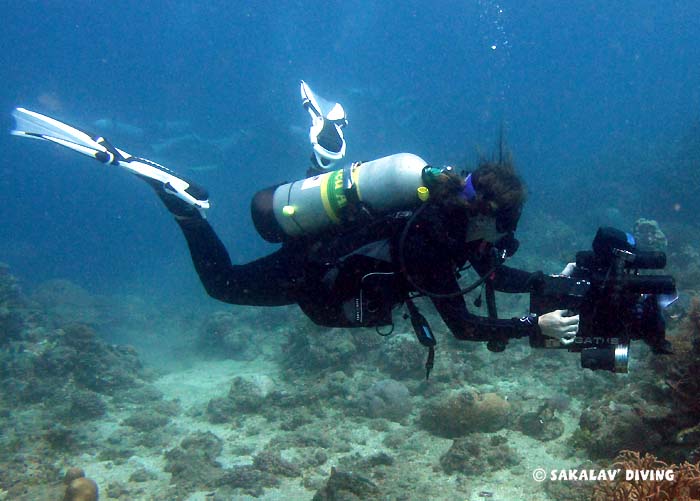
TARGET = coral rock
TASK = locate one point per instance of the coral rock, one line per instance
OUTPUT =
(465, 412)
(72, 474)
(82, 489)
(402, 357)
(649, 235)
(387, 399)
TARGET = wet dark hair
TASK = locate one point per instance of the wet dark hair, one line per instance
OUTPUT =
(500, 192)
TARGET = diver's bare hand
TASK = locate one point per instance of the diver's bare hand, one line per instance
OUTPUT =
(559, 324)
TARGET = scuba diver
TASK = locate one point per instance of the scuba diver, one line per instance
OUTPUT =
(359, 241)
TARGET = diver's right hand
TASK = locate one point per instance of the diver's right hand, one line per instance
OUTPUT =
(559, 324)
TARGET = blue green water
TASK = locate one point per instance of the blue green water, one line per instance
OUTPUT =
(599, 102)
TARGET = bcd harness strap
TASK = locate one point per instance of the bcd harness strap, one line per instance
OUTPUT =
(424, 334)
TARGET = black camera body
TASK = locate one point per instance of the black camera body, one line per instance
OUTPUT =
(615, 303)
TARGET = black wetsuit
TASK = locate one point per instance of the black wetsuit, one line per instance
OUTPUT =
(353, 278)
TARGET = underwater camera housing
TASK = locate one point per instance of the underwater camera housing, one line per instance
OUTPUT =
(615, 303)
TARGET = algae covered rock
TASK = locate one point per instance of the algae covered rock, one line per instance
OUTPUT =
(402, 357)
(271, 461)
(478, 454)
(461, 412)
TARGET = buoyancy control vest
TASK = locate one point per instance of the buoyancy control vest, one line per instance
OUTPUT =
(310, 206)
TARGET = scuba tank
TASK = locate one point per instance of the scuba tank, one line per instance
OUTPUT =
(310, 206)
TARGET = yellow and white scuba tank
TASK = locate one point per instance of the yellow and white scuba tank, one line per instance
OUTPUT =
(312, 205)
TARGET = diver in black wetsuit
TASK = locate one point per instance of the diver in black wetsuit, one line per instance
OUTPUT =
(354, 278)
(354, 275)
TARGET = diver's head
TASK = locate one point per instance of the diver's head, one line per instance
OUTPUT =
(495, 191)
(491, 197)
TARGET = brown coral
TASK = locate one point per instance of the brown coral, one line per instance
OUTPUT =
(685, 485)
(78, 487)
(459, 413)
(72, 474)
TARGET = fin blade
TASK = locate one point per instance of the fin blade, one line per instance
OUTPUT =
(32, 124)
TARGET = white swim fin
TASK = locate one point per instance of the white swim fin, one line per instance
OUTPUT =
(326, 133)
(37, 126)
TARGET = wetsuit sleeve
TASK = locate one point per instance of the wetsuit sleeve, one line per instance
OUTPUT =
(465, 325)
(507, 279)
(470, 327)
